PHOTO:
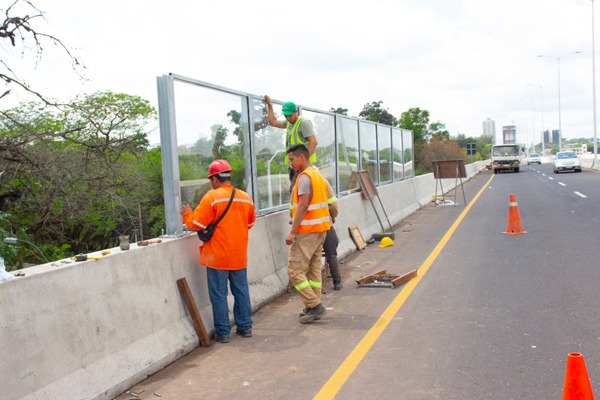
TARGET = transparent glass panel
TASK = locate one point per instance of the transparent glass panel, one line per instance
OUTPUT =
(368, 149)
(324, 126)
(348, 153)
(273, 181)
(407, 150)
(384, 142)
(397, 167)
(210, 125)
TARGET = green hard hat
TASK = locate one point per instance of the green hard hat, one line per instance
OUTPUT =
(288, 108)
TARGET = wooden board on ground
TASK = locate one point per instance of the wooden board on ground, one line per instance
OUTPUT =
(357, 237)
(188, 298)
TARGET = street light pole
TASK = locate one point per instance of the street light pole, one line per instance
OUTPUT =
(542, 110)
(559, 110)
(594, 88)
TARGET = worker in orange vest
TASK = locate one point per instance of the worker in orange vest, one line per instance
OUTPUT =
(310, 223)
(225, 254)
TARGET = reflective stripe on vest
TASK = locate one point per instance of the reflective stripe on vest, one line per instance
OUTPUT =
(317, 217)
(292, 138)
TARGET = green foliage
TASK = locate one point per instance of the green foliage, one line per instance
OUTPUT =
(374, 112)
(339, 110)
(79, 176)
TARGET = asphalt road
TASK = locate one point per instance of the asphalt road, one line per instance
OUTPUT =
(489, 315)
(496, 315)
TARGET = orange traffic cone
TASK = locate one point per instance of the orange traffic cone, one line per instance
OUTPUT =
(513, 225)
(577, 383)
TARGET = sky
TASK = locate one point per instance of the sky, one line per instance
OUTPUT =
(462, 60)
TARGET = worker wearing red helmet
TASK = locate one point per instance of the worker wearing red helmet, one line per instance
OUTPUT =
(225, 254)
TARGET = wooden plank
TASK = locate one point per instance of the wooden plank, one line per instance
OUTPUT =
(188, 298)
(370, 277)
(357, 237)
(404, 278)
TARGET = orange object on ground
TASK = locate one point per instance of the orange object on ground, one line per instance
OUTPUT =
(577, 383)
(513, 225)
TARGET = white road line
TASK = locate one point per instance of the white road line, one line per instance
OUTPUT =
(551, 178)
(580, 195)
(561, 184)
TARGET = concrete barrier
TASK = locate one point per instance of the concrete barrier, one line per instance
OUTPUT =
(92, 329)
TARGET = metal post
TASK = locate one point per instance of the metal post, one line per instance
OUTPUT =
(594, 88)
(559, 109)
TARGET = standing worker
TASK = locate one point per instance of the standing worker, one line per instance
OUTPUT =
(298, 130)
(332, 240)
(310, 224)
(225, 254)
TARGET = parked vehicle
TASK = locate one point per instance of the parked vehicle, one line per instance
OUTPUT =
(506, 157)
(566, 161)
(534, 158)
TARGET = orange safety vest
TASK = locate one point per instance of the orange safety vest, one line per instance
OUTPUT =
(317, 217)
(227, 249)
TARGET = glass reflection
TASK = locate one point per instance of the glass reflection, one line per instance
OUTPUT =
(210, 125)
(384, 144)
(348, 153)
(368, 148)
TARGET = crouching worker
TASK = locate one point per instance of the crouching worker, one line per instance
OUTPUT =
(310, 224)
(225, 254)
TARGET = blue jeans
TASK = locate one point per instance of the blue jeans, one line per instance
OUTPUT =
(217, 291)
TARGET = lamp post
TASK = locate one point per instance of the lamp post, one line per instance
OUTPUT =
(559, 110)
(542, 111)
(594, 88)
(14, 240)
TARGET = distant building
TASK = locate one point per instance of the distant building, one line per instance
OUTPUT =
(555, 136)
(489, 129)
(509, 134)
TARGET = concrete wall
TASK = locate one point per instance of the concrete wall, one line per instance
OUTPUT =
(92, 329)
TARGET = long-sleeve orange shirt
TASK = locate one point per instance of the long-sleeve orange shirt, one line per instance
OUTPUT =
(227, 249)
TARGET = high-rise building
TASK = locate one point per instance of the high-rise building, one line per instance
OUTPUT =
(489, 129)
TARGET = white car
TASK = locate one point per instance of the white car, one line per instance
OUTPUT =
(534, 158)
(566, 161)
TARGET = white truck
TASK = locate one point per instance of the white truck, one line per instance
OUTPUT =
(506, 157)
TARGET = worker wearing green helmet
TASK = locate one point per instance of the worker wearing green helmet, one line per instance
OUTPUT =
(298, 129)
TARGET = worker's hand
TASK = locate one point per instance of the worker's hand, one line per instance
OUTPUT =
(267, 99)
(184, 208)
(290, 238)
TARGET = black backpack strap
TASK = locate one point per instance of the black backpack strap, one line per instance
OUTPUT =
(227, 208)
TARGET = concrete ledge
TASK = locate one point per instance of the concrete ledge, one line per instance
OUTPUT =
(92, 329)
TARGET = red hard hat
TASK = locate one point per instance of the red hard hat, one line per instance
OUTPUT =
(219, 167)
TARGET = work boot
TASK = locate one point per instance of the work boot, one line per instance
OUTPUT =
(244, 333)
(337, 285)
(223, 339)
(313, 314)
(303, 313)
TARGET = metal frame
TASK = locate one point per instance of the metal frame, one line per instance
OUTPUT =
(170, 158)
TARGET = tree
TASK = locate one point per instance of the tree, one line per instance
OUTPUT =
(374, 112)
(72, 175)
(417, 121)
(17, 30)
(438, 148)
(339, 110)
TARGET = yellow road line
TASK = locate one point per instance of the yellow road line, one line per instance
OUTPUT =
(341, 375)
